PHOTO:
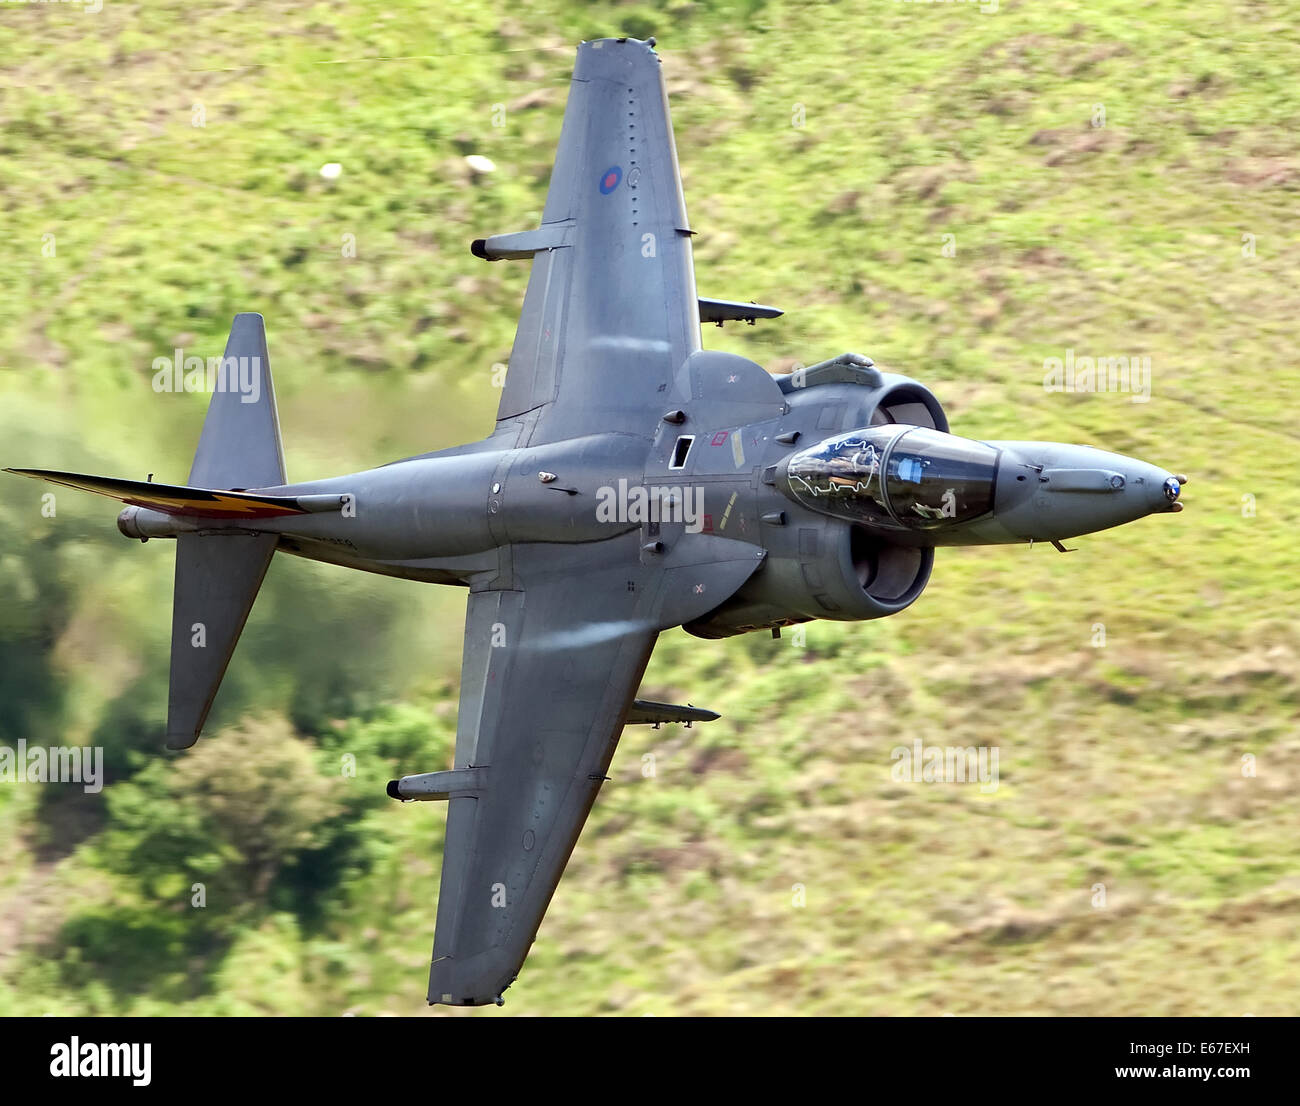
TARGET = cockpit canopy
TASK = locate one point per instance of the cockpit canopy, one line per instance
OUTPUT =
(890, 476)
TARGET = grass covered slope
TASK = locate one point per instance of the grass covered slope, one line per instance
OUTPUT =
(767, 862)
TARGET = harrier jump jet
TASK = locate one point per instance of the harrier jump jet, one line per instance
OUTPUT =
(634, 482)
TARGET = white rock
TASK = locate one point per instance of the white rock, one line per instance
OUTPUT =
(480, 164)
(331, 170)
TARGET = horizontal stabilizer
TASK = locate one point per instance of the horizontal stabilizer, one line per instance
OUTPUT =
(175, 499)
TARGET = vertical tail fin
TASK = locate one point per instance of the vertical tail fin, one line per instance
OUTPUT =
(218, 570)
(218, 574)
(240, 444)
(217, 579)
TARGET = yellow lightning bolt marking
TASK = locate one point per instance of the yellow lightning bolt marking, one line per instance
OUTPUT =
(145, 496)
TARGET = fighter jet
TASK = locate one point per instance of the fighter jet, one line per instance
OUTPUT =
(634, 482)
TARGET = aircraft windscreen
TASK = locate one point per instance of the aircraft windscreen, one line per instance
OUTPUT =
(921, 479)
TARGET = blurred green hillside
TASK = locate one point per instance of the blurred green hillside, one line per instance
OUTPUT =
(160, 171)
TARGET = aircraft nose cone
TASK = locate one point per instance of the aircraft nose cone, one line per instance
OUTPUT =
(1066, 490)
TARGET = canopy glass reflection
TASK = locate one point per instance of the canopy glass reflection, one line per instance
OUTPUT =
(914, 477)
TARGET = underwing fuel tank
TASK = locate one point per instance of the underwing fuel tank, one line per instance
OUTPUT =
(924, 487)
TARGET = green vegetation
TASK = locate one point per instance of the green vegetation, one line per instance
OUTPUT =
(1120, 765)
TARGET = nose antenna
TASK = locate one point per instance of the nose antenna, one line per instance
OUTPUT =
(1173, 489)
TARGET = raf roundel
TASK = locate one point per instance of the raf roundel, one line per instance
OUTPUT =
(609, 179)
